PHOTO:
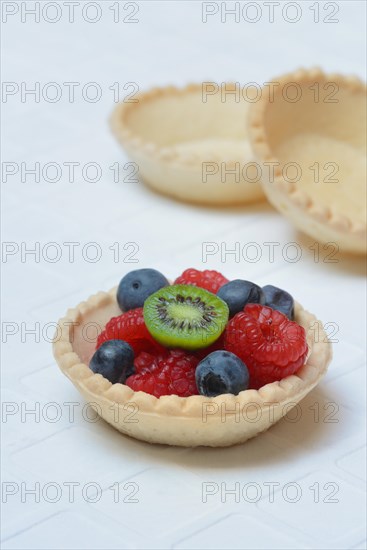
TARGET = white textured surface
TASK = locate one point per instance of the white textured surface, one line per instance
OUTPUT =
(324, 449)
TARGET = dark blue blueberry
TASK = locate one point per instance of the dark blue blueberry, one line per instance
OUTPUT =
(221, 372)
(279, 299)
(238, 293)
(137, 286)
(114, 359)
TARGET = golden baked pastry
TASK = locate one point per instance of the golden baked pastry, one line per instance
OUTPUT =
(309, 136)
(191, 143)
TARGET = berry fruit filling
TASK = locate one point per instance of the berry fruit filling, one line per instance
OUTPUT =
(172, 372)
(209, 280)
(137, 286)
(131, 328)
(202, 335)
(271, 346)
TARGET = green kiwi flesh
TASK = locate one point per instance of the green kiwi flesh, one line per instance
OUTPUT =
(185, 316)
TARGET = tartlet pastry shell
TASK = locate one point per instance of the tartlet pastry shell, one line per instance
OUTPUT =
(186, 148)
(193, 421)
(317, 208)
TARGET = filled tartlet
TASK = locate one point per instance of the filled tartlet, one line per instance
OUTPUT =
(196, 359)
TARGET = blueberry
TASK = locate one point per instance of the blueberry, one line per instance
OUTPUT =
(238, 293)
(114, 359)
(137, 286)
(279, 299)
(221, 372)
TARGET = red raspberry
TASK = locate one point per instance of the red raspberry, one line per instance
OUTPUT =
(169, 373)
(210, 280)
(130, 326)
(269, 344)
(144, 361)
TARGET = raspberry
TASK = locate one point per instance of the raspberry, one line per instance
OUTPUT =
(271, 346)
(143, 361)
(130, 327)
(172, 372)
(210, 280)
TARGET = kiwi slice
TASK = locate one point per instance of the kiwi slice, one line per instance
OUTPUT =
(185, 316)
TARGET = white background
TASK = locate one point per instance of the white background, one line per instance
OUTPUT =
(168, 44)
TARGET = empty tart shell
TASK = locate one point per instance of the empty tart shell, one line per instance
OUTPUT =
(310, 140)
(184, 421)
(191, 143)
